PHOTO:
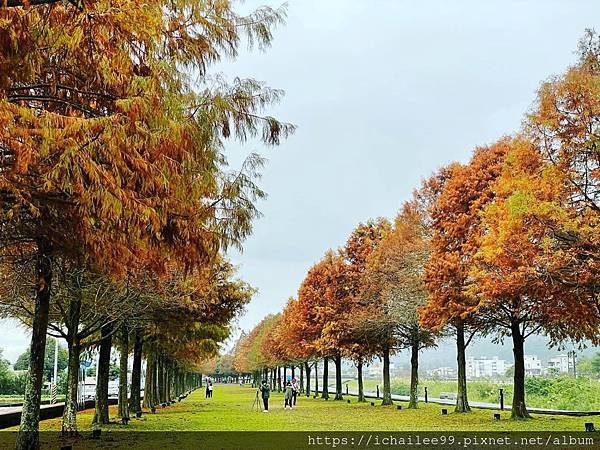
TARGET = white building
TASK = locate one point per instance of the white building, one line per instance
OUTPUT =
(533, 365)
(485, 367)
(560, 364)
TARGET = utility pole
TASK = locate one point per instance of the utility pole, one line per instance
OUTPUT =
(573, 356)
(55, 361)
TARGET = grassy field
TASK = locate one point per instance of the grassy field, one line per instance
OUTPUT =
(231, 409)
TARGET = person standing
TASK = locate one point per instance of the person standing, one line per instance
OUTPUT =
(265, 390)
(210, 390)
(288, 395)
(207, 394)
(295, 390)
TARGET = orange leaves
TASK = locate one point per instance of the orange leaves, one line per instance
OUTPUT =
(455, 230)
(97, 113)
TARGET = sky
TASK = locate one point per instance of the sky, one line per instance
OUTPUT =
(383, 92)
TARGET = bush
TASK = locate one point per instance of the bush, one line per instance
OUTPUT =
(539, 386)
(400, 387)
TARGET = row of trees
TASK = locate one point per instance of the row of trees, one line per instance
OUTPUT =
(506, 245)
(116, 204)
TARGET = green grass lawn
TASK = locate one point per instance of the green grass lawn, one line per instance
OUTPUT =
(231, 409)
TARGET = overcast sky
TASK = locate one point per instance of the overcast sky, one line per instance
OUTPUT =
(383, 92)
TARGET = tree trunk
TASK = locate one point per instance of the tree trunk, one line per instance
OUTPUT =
(160, 378)
(279, 379)
(361, 390)
(414, 375)
(293, 372)
(325, 393)
(28, 438)
(149, 384)
(101, 413)
(136, 375)
(307, 371)
(301, 378)
(69, 421)
(156, 381)
(519, 410)
(123, 402)
(284, 375)
(168, 379)
(387, 394)
(167, 371)
(316, 379)
(462, 401)
(338, 378)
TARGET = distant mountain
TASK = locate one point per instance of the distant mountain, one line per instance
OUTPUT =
(445, 353)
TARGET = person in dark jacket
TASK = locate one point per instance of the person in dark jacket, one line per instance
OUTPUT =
(296, 390)
(265, 390)
(289, 393)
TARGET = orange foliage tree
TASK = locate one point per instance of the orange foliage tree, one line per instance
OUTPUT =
(509, 270)
(320, 296)
(299, 333)
(537, 268)
(460, 194)
(111, 152)
(360, 244)
(394, 288)
(564, 125)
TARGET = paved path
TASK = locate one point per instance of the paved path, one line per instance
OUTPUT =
(14, 409)
(482, 405)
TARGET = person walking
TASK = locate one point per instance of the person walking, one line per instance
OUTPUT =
(288, 394)
(265, 390)
(210, 390)
(207, 393)
(295, 390)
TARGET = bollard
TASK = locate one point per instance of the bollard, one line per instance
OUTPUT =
(348, 401)
(501, 399)
(372, 404)
(377, 391)
(426, 398)
(346, 388)
(399, 407)
(444, 412)
(589, 427)
(496, 417)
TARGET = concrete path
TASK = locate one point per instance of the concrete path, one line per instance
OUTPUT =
(14, 409)
(473, 404)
